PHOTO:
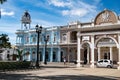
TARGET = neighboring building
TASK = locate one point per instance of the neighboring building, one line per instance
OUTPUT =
(8, 54)
(84, 42)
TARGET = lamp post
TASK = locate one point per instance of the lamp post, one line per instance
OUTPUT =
(0, 42)
(38, 31)
(46, 40)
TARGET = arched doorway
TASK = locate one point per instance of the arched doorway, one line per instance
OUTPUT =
(27, 55)
(54, 56)
(85, 56)
(107, 48)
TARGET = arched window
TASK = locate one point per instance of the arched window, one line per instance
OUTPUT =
(54, 38)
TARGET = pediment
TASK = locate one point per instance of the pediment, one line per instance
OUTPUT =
(106, 17)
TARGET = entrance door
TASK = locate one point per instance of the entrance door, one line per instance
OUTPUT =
(54, 56)
(85, 56)
(61, 56)
(105, 55)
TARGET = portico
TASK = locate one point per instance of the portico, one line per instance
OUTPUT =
(102, 38)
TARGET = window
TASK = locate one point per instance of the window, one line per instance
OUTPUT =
(48, 36)
(27, 39)
(105, 61)
(54, 38)
(64, 36)
(40, 39)
(34, 39)
(100, 61)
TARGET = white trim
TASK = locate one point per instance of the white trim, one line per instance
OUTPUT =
(106, 37)
(86, 42)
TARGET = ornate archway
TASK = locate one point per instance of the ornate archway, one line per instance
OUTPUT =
(107, 47)
(85, 52)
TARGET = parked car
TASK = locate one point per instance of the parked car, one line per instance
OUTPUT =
(105, 63)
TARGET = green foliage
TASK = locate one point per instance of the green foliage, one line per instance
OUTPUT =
(4, 41)
(19, 54)
(14, 65)
(2, 1)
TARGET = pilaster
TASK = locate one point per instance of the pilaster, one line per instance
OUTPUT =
(111, 53)
(98, 53)
(119, 52)
(92, 52)
(51, 54)
(78, 49)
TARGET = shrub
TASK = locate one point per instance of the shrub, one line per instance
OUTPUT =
(14, 65)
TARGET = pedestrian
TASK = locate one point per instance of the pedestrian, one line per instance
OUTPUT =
(64, 61)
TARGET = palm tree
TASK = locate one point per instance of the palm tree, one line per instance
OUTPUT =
(19, 54)
(1, 2)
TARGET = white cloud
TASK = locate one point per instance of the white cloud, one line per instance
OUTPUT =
(6, 13)
(75, 12)
(75, 8)
(59, 3)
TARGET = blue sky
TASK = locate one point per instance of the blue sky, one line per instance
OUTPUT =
(51, 12)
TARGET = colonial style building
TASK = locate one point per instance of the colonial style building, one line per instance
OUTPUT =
(99, 39)
(84, 42)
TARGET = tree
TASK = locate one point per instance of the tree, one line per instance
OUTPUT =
(4, 41)
(19, 55)
(1, 2)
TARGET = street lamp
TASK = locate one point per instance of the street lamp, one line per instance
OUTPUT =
(46, 40)
(0, 42)
(38, 31)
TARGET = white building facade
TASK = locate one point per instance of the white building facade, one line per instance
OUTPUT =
(100, 39)
(84, 42)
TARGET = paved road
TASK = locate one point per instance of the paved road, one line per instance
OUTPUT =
(57, 71)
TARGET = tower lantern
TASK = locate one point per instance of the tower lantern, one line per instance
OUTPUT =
(26, 20)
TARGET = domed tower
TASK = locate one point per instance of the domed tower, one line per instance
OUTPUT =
(26, 20)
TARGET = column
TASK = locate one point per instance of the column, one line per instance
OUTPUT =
(19, 40)
(59, 54)
(111, 53)
(51, 55)
(118, 58)
(43, 54)
(98, 53)
(30, 54)
(78, 49)
(92, 52)
(118, 51)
